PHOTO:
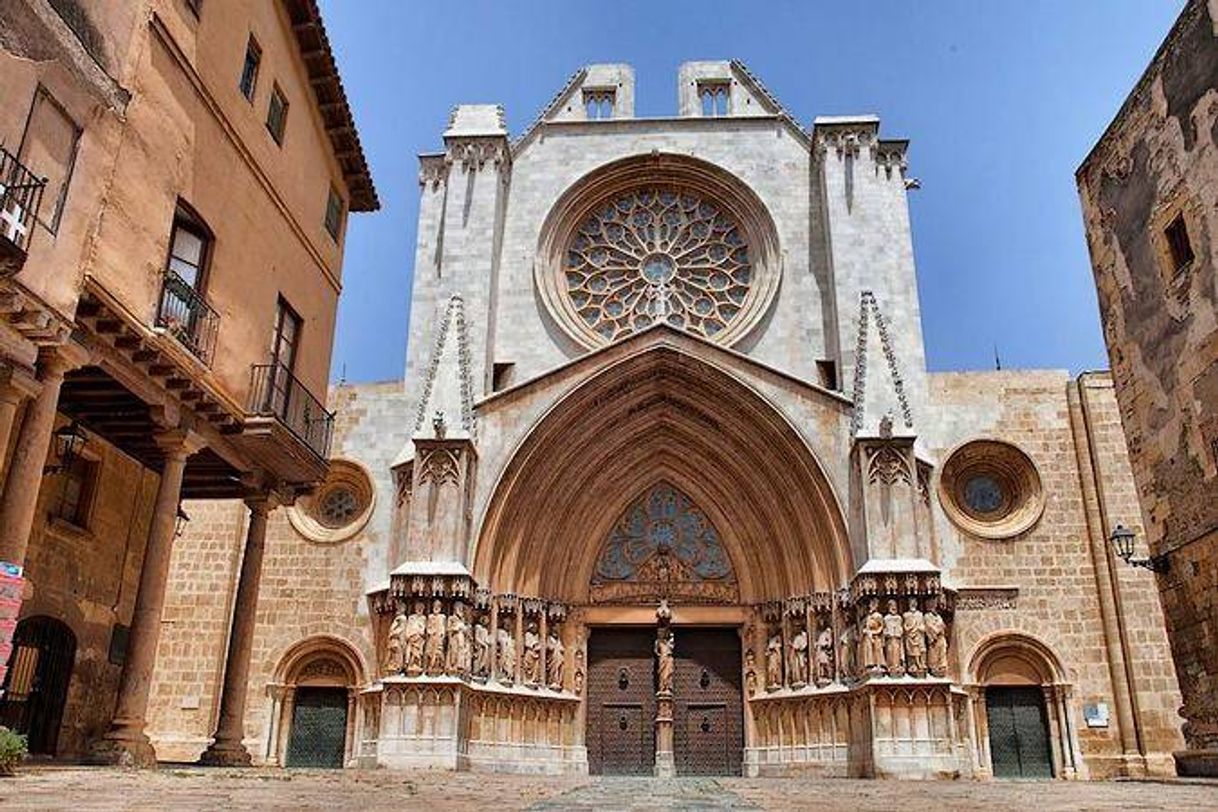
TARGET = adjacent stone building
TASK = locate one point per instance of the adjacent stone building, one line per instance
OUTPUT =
(1150, 201)
(174, 182)
(667, 488)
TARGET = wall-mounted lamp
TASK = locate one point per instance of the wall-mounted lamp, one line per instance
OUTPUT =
(180, 527)
(1122, 539)
(68, 441)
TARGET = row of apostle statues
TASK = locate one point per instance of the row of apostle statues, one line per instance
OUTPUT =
(444, 644)
(882, 644)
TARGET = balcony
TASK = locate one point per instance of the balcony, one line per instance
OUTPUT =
(20, 198)
(186, 315)
(288, 429)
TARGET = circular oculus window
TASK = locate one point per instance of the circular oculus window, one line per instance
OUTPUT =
(991, 489)
(339, 508)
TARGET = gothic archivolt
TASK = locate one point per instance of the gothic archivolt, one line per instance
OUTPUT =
(658, 239)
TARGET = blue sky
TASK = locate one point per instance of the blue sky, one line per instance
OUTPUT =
(1001, 101)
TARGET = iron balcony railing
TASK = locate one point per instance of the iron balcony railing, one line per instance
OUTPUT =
(187, 316)
(20, 198)
(276, 392)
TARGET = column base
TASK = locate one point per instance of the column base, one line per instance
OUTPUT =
(226, 754)
(123, 749)
(666, 766)
(1197, 763)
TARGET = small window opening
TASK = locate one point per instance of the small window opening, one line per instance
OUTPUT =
(598, 104)
(826, 371)
(501, 376)
(334, 213)
(1178, 244)
(714, 96)
(76, 492)
(277, 114)
(249, 70)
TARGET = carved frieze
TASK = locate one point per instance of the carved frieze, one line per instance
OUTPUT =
(978, 598)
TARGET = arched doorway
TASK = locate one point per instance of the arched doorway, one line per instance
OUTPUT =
(39, 672)
(1021, 709)
(314, 716)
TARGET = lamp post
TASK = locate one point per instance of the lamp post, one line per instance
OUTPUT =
(1122, 539)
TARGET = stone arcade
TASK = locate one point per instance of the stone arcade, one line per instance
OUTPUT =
(668, 488)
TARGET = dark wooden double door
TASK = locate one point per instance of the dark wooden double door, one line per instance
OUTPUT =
(708, 725)
(1019, 732)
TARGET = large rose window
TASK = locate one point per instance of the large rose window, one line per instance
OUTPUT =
(658, 254)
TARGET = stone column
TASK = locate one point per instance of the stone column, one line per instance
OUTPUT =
(125, 743)
(15, 386)
(227, 748)
(20, 499)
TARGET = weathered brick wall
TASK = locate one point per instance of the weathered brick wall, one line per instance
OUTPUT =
(1158, 162)
(87, 578)
(1051, 564)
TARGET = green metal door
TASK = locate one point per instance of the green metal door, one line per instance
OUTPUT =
(319, 728)
(1019, 733)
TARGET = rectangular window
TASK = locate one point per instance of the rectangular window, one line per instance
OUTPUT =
(188, 249)
(283, 356)
(196, 6)
(501, 375)
(1178, 244)
(48, 150)
(76, 492)
(249, 70)
(277, 114)
(334, 213)
(826, 372)
(714, 98)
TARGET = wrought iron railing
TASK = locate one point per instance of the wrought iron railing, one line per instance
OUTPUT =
(276, 392)
(186, 315)
(20, 199)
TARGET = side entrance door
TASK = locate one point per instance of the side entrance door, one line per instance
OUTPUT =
(36, 689)
(708, 712)
(319, 728)
(1019, 732)
(621, 702)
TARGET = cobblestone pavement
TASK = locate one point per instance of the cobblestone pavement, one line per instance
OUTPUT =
(82, 789)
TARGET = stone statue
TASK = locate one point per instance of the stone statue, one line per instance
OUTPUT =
(458, 643)
(849, 665)
(824, 656)
(395, 645)
(873, 639)
(750, 672)
(482, 648)
(894, 648)
(936, 640)
(555, 660)
(664, 661)
(915, 640)
(773, 663)
(797, 666)
(530, 658)
(507, 656)
(416, 630)
(433, 646)
(578, 680)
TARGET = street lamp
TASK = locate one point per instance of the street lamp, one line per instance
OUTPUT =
(68, 441)
(1122, 539)
(180, 525)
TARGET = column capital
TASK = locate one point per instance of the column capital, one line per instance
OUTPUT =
(62, 358)
(262, 502)
(17, 383)
(179, 443)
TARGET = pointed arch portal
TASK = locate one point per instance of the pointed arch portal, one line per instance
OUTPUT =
(667, 421)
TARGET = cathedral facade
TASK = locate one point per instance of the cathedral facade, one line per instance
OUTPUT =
(668, 489)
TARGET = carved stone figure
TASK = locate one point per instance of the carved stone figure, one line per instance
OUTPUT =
(824, 656)
(750, 672)
(395, 645)
(773, 663)
(849, 664)
(936, 641)
(915, 640)
(665, 647)
(894, 648)
(433, 647)
(458, 643)
(797, 666)
(416, 631)
(577, 683)
(873, 639)
(507, 656)
(530, 658)
(555, 660)
(482, 648)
